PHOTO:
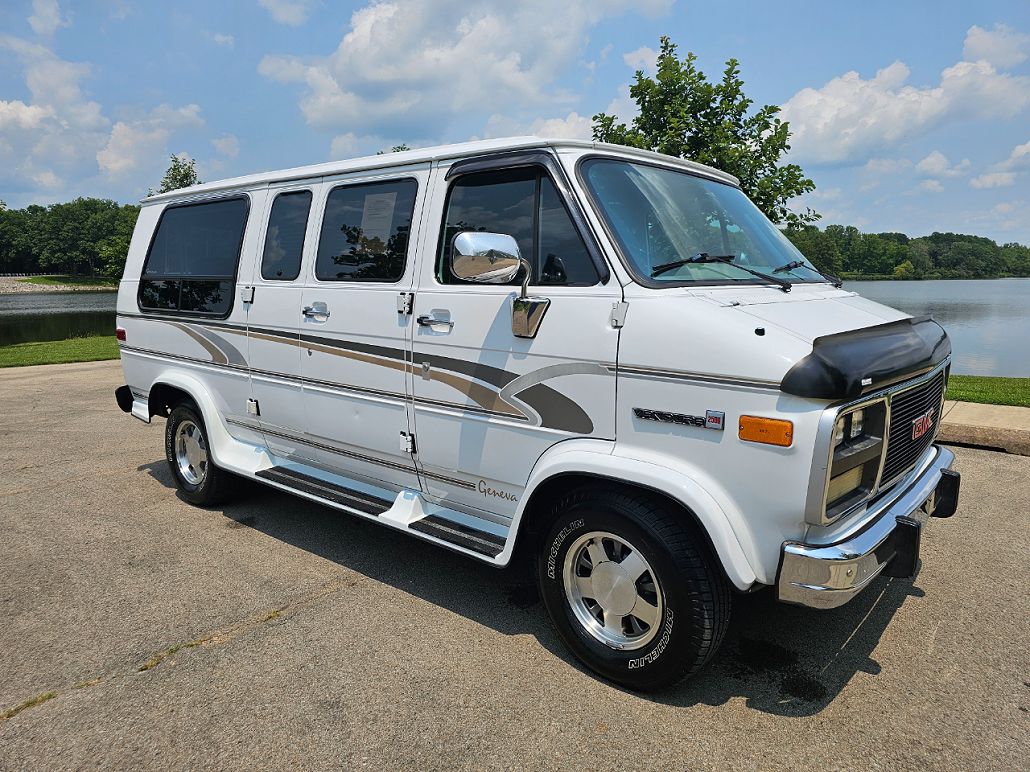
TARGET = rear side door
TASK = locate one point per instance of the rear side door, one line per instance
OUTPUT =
(274, 321)
(488, 404)
(355, 342)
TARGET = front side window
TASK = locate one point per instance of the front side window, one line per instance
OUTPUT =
(365, 231)
(191, 264)
(660, 216)
(284, 241)
(524, 204)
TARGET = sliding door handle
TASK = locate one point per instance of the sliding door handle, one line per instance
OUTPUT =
(429, 321)
(316, 310)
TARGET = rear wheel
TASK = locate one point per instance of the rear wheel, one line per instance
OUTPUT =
(188, 452)
(630, 589)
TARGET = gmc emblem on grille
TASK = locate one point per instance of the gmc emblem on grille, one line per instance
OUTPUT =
(922, 424)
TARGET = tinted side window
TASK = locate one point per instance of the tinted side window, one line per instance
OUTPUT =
(191, 264)
(284, 240)
(365, 232)
(524, 204)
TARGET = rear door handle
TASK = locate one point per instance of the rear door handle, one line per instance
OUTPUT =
(428, 321)
(315, 310)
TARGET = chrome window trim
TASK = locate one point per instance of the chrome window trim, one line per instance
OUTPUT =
(819, 482)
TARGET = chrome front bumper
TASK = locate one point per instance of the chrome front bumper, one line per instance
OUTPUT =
(829, 575)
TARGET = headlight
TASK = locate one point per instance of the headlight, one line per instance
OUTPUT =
(858, 448)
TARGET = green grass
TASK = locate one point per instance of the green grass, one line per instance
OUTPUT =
(72, 281)
(52, 352)
(989, 391)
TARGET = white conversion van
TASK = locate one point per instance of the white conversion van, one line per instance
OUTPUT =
(605, 357)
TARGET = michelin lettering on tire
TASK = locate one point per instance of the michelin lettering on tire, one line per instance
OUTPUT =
(656, 652)
(552, 555)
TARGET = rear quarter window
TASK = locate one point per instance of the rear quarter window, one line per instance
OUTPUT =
(191, 265)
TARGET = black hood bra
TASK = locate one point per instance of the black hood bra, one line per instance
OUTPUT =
(846, 365)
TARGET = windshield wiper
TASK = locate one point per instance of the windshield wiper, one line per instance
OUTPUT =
(704, 257)
(836, 282)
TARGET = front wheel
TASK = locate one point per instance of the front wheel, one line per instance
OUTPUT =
(630, 589)
(189, 457)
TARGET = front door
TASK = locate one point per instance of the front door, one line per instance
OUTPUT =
(354, 340)
(487, 404)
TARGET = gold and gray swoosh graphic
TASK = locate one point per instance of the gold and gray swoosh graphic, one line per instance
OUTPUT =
(494, 391)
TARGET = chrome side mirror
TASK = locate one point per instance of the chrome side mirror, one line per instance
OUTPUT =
(494, 258)
(487, 258)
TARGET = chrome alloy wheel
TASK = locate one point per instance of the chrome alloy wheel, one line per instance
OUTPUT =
(191, 453)
(613, 592)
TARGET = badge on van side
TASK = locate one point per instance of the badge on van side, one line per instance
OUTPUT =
(712, 419)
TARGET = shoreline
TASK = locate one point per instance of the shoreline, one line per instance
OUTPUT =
(12, 285)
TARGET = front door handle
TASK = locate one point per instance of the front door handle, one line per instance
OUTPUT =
(316, 310)
(428, 321)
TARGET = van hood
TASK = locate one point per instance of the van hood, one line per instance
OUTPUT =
(858, 346)
(808, 312)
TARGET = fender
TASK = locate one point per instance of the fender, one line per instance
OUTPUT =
(670, 476)
(226, 451)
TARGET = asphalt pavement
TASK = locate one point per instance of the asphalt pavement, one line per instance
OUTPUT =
(139, 631)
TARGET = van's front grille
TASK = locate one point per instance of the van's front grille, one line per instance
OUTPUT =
(907, 407)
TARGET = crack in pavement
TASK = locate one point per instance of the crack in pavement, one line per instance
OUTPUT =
(215, 638)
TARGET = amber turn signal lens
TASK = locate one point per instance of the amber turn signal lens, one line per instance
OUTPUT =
(771, 431)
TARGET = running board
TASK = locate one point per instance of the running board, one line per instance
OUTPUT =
(460, 535)
(347, 497)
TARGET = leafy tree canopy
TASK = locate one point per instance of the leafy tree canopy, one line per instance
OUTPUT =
(683, 114)
(182, 173)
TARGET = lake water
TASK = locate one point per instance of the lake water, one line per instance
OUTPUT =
(988, 321)
(35, 316)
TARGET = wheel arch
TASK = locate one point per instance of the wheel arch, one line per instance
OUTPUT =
(170, 388)
(568, 467)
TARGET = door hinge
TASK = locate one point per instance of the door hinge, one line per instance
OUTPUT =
(618, 317)
(246, 294)
(405, 302)
(407, 443)
(253, 408)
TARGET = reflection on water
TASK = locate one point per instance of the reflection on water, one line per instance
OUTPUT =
(35, 316)
(988, 320)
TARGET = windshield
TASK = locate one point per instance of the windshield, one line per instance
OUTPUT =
(660, 216)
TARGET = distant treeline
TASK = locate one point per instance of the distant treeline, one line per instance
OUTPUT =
(843, 250)
(87, 237)
(90, 237)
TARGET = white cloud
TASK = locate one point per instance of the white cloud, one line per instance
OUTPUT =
(886, 165)
(46, 17)
(850, 118)
(572, 126)
(47, 179)
(290, 12)
(622, 107)
(343, 146)
(58, 130)
(994, 180)
(142, 142)
(228, 145)
(936, 164)
(224, 40)
(1019, 158)
(933, 186)
(1002, 46)
(408, 71)
(643, 58)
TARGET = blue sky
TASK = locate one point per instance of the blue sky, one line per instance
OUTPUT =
(911, 117)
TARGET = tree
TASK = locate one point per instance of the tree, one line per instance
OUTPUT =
(904, 270)
(395, 149)
(182, 172)
(683, 114)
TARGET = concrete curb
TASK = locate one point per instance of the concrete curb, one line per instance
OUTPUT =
(987, 426)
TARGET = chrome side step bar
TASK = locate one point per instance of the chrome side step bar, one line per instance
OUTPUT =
(347, 497)
(460, 535)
